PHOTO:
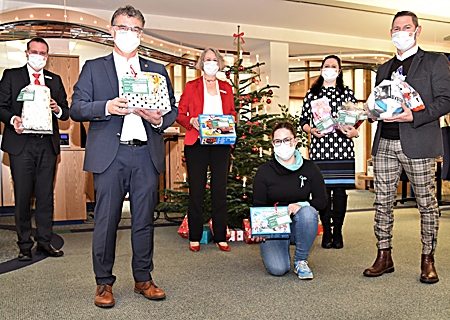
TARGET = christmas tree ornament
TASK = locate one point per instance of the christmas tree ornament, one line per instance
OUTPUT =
(238, 177)
(241, 68)
(270, 92)
(244, 197)
(255, 149)
(255, 100)
(268, 101)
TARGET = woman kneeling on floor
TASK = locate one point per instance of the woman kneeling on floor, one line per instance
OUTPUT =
(290, 180)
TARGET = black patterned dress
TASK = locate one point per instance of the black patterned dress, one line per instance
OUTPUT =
(334, 152)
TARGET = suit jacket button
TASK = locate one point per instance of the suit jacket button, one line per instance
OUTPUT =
(118, 134)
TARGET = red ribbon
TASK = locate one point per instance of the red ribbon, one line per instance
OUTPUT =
(240, 35)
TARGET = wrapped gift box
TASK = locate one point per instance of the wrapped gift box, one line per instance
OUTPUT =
(217, 129)
(247, 231)
(236, 234)
(36, 112)
(147, 90)
(322, 119)
(260, 219)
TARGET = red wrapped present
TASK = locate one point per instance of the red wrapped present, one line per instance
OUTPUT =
(183, 230)
(228, 234)
(320, 229)
(247, 231)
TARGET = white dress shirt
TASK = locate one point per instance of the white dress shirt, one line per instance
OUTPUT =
(133, 127)
(212, 104)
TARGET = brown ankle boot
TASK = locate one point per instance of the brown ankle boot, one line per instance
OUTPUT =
(383, 264)
(428, 274)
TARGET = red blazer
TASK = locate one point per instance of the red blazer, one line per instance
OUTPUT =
(191, 105)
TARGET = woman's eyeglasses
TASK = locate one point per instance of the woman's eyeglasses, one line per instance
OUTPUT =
(277, 142)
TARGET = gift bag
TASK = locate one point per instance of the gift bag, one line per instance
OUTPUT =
(183, 230)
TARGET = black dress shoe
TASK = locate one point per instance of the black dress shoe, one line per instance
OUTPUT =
(24, 255)
(49, 251)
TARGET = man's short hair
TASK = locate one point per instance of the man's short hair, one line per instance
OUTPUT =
(407, 13)
(37, 39)
(129, 11)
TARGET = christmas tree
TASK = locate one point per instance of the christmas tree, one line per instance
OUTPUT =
(253, 144)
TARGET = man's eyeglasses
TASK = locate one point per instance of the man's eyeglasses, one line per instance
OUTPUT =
(277, 142)
(135, 30)
(41, 53)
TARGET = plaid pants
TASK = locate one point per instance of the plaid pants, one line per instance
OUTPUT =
(387, 167)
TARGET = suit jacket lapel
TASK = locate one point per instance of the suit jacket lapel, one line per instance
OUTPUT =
(25, 76)
(110, 70)
(415, 64)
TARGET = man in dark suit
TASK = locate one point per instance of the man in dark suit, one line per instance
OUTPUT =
(32, 156)
(410, 141)
(125, 151)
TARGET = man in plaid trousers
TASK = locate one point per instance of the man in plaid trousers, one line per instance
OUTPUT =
(410, 141)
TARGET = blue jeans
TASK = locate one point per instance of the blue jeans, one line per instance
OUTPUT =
(275, 253)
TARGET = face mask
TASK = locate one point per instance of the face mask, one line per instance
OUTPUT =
(36, 62)
(210, 67)
(127, 41)
(284, 151)
(329, 74)
(403, 40)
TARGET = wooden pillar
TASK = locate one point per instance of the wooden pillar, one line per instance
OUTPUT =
(367, 89)
(352, 76)
(171, 72)
(183, 78)
(307, 77)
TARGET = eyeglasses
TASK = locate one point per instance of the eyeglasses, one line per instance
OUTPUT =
(135, 30)
(277, 142)
(41, 53)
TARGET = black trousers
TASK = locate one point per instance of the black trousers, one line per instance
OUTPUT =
(198, 158)
(336, 207)
(34, 169)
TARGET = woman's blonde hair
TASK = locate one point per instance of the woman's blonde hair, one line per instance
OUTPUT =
(220, 60)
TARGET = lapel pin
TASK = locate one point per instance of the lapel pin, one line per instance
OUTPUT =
(146, 65)
(47, 77)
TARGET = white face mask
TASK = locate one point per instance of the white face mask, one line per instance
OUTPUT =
(403, 40)
(330, 74)
(127, 41)
(36, 61)
(210, 67)
(284, 151)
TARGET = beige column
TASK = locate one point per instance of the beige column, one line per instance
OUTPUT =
(275, 55)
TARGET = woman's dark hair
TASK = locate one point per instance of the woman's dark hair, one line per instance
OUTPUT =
(317, 85)
(284, 125)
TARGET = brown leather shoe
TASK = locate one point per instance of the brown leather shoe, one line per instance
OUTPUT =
(383, 264)
(149, 290)
(428, 274)
(104, 297)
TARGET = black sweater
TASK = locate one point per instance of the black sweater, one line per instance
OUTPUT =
(275, 183)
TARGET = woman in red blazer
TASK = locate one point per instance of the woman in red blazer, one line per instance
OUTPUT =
(206, 95)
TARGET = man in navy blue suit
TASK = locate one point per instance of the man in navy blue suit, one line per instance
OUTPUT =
(125, 151)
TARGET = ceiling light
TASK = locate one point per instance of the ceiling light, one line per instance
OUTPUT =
(179, 49)
(95, 21)
(65, 16)
(16, 18)
(81, 18)
(151, 41)
(48, 14)
(31, 16)
(161, 44)
(188, 51)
